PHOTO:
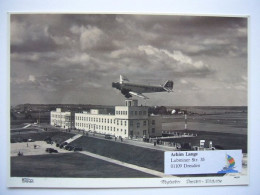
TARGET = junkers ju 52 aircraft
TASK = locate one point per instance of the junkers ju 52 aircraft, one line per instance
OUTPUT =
(129, 89)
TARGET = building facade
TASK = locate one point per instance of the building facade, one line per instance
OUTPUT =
(62, 119)
(129, 121)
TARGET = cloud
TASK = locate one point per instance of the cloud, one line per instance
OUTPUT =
(30, 38)
(176, 59)
(89, 35)
(73, 59)
(18, 32)
(81, 53)
(31, 78)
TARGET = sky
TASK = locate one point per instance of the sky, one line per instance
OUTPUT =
(73, 58)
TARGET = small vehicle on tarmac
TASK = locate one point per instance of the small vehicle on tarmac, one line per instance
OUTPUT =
(77, 149)
(51, 150)
(69, 147)
(107, 136)
(63, 145)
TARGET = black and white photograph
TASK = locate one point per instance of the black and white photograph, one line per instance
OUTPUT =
(109, 96)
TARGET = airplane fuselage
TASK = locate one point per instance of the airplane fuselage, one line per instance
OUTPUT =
(139, 88)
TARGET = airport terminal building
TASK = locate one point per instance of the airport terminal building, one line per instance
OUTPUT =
(128, 121)
(61, 119)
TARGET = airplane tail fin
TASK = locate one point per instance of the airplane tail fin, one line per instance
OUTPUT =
(123, 79)
(168, 86)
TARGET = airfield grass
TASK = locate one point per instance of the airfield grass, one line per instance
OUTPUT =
(144, 157)
(74, 165)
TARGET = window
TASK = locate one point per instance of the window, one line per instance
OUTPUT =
(125, 123)
(153, 122)
(131, 113)
(131, 123)
(144, 123)
(125, 131)
(153, 130)
(144, 132)
(137, 124)
(135, 112)
(140, 112)
(125, 112)
(121, 122)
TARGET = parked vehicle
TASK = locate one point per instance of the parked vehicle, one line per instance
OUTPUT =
(77, 149)
(51, 150)
(61, 145)
(69, 147)
(107, 136)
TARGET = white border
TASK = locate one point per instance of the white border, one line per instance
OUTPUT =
(49, 182)
(200, 7)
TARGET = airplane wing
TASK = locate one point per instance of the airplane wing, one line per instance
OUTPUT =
(168, 90)
(138, 95)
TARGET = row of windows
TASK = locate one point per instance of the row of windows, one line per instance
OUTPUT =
(60, 122)
(138, 123)
(93, 119)
(101, 120)
(98, 127)
(121, 112)
(132, 113)
(60, 116)
(138, 112)
(57, 116)
(122, 122)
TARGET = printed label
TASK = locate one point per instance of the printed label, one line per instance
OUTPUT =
(203, 162)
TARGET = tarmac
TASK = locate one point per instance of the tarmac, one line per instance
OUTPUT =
(39, 147)
(33, 148)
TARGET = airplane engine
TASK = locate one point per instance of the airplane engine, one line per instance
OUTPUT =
(126, 93)
(116, 85)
